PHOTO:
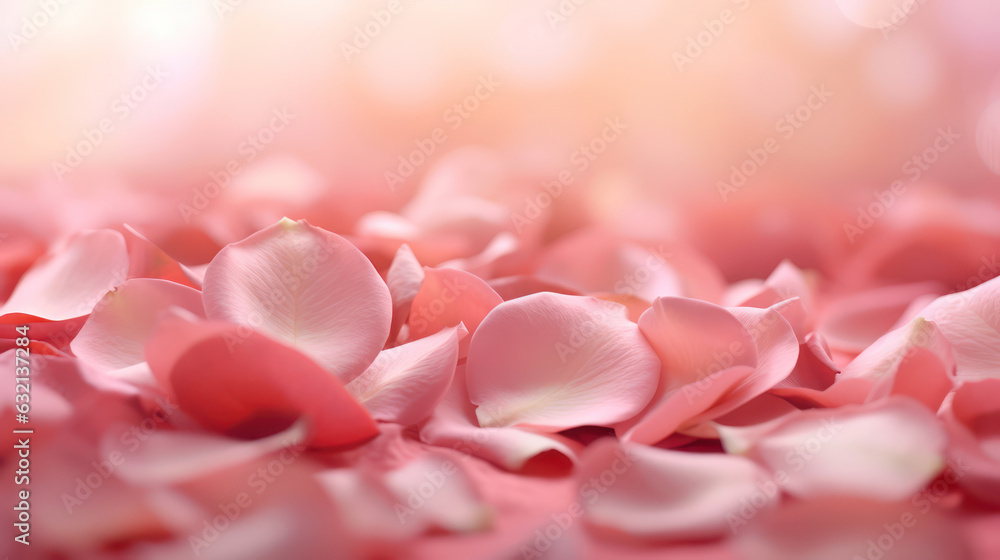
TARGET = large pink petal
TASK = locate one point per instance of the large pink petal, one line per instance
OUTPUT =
(70, 280)
(887, 450)
(116, 330)
(406, 382)
(555, 362)
(683, 407)
(239, 381)
(970, 320)
(695, 339)
(777, 352)
(308, 287)
(658, 494)
(704, 352)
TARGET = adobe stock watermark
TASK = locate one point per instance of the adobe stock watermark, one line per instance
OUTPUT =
(914, 168)
(989, 270)
(796, 459)
(365, 33)
(920, 505)
(31, 25)
(454, 116)
(225, 7)
(420, 495)
(249, 149)
(786, 127)
(562, 12)
(725, 357)
(590, 492)
(103, 469)
(435, 480)
(453, 289)
(122, 107)
(292, 279)
(580, 160)
(230, 512)
(696, 44)
(902, 11)
(610, 311)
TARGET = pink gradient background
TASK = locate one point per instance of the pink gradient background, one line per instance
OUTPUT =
(226, 73)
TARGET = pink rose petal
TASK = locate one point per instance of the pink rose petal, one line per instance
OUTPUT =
(70, 280)
(554, 362)
(406, 383)
(307, 287)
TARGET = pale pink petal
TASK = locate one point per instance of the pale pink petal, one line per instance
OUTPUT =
(403, 279)
(683, 407)
(887, 449)
(704, 353)
(117, 328)
(658, 494)
(970, 320)
(305, 286)
(406, 383)
(695, 339)
(554, 362)
(777, 352)
(239, 381)
(454, 426)
(70, 280)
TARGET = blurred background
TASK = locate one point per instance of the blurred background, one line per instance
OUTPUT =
(755, 129)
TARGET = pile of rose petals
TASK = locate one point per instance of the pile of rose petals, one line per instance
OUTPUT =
(426, 388)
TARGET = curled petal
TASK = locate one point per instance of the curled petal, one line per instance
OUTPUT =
(406, 382)
(970, 320)
(69, 281)
(245, 383)
(116, 330)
